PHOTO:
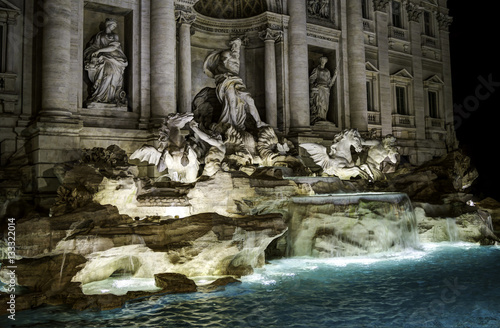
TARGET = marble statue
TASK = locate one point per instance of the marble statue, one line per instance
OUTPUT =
(382, 157)
(105, 63)
(320, 82)
(174, 153)
(216, 153)
(237, 103)
(275, 151)
(339, 162)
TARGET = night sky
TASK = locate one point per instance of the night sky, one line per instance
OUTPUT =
(476, 88)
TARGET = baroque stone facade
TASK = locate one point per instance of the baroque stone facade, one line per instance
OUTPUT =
(391, 60)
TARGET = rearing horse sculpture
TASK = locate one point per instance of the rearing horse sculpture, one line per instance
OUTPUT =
(338, 161)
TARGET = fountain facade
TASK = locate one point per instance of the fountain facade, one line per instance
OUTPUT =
(172, 174)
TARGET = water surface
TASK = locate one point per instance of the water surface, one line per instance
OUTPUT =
(440, 285)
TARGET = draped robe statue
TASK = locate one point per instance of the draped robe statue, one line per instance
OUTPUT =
(224, 67)
(321, 82)
(105, 63)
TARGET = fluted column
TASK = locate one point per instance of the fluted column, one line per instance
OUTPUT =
(56, 59)
(356, 65)
(269, 37)
(184, 20)
(298, 65)
(163, 59)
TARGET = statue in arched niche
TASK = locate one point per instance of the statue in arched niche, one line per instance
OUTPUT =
(320, 81)
(105, 63)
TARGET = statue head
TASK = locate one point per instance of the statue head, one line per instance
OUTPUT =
(111, 23)
(323, 60)
(220, 62)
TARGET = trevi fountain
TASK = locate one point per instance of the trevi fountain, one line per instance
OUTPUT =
(246, 226)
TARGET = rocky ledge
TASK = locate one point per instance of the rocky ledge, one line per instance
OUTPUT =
(62, 253)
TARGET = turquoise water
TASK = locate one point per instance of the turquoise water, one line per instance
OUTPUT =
(441, 285)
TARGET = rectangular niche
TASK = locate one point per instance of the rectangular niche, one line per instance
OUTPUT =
(315, 53)
(95, 16)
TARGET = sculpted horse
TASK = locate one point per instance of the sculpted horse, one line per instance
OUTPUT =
(174, 154)
(338, 162)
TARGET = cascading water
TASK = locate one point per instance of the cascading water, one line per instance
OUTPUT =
(452, 230)
(350, 224)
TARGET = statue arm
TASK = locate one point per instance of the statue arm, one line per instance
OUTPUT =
(334, 78)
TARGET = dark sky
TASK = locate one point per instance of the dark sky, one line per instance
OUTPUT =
(476, 88)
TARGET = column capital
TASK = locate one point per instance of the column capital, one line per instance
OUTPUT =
(185, 17)
(270, 35)
(380, 5)
(414, 12)
(444, 21)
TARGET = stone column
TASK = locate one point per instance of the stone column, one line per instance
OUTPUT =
(414, 14)
(163, 59)
(56, 59)
(269, 37)
(184, 20)
(298, 65)
(381, 21)
(356, 66)
(444, 40)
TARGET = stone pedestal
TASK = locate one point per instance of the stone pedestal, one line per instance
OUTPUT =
(51, 143)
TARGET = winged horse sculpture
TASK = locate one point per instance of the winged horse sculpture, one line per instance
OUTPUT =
(174, 153)
(338, 161)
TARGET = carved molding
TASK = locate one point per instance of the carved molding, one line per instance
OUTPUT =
(241, 26)
(323, 33)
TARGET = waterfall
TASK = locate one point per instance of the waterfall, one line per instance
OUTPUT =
(350, 224)
(452, 230)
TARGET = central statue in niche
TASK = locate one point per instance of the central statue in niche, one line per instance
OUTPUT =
(224, 67)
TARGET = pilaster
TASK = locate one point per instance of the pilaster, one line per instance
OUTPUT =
(414, 13)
